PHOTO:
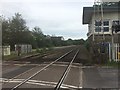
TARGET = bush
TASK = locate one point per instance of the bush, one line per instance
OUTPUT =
(113, 63)
(38, 50)
(87, 45)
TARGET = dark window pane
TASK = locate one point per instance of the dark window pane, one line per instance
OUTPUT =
(106, 23)
(97, 23)
(98, 29)
(106, 29)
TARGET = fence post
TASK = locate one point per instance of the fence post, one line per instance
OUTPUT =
(109, 52)
(118, 52)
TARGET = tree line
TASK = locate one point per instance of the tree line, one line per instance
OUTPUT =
(15, 31)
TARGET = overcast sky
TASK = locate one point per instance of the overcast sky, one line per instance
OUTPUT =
(54, 17)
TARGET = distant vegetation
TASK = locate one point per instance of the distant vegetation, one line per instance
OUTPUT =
(15, 31)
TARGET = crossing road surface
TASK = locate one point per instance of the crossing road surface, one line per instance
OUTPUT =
(48, 78)
(58, 70)
(101, 77)
(79, 77)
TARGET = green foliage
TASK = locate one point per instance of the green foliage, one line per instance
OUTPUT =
(5, 32)
(87, 45)
(38, 50)
(75, 42)
(113, 63)
(43, 50)
(15, 31)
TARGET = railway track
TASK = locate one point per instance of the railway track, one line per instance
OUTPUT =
(72, 54)
(62, 73)
(66, 72)
(28, 63)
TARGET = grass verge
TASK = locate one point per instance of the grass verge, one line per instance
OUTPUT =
(113, 63)
(14, 55)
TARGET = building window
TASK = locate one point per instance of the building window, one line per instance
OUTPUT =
(106, 26)
(98, 23)
(97, 29)
(105, 23)
(98, 26)
(106, 29)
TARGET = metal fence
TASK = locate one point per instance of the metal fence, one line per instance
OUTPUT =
(24, 48)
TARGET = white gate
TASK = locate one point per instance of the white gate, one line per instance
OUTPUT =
(117, 51)
(114, 52)
(6, 50)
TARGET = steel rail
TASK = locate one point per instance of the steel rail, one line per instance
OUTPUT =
(66, 72)
(18, 85)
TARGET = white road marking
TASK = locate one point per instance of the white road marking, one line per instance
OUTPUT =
(18, 85)
(80, 77)
(45, 63)
(37, 82)
(64, 64)
(23, 73)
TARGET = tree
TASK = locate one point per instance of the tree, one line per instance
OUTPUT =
(37, 30)
(69, 41)
(15, 31)
(38, 36)
(18, 27)
(5, 32)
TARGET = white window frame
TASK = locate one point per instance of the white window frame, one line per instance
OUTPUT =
(101, 26)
